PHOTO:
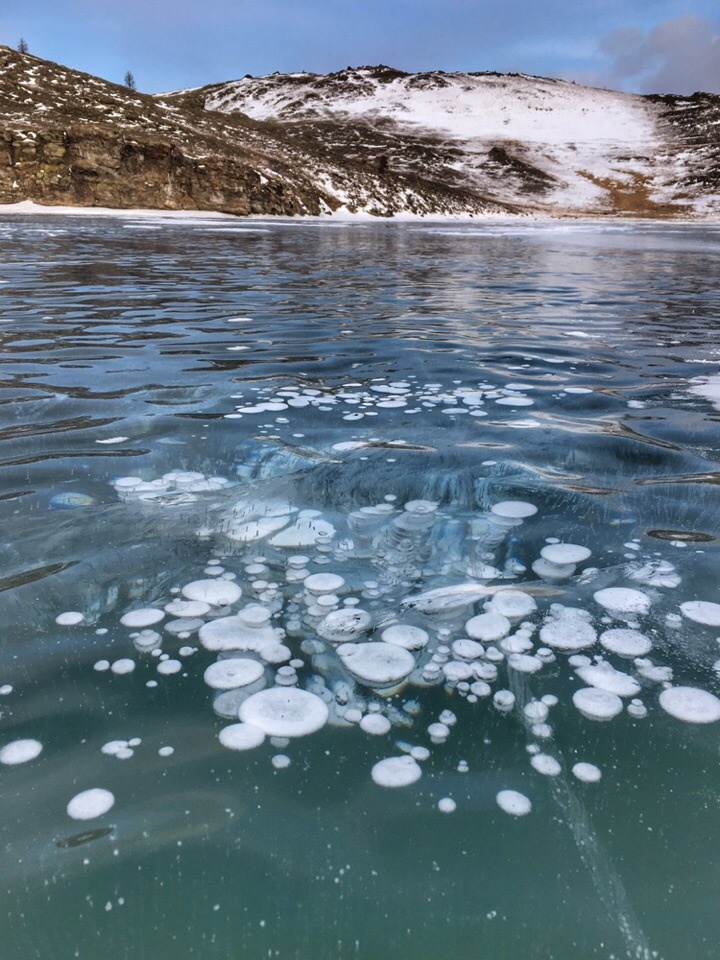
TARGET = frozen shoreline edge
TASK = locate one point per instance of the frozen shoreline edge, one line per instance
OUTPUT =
(29, 207)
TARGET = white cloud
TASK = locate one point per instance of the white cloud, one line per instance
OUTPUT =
(676, 56)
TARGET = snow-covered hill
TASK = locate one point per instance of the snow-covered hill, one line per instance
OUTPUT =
(370, 139)
(546, 144)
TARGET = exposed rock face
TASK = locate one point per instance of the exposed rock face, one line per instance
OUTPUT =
(369, 139)
(77, 166)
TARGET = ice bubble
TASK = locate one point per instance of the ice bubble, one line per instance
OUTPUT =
(690, 704)
(621, 601)
(587, 772)
(652, 672)
(396, 772)
(184, 626)
(168, 667)
(469, 650)
(320, 583)
(122, 666)
(166, 751)
(545, 764)
(241, 736)
(306, 532)
(142, 618)
(375, 723)
(702, 611)
(514, 803)
(480, 689)
(445, 602)
(524, 663)
(275, 653)
(248, 531)
(553, 571)
(218, 593)
(596, 704)
(285, 711)
(568, 628)
(347, 624)
(90, 804)
(20, 751)
(515, 401)
(447, 805)
(147, 640)
(101, 665)
(488, 627)
(281, 761)
(233, 672)
(560, 553)
(504, 701)
(112, 747)
(376, 663)
(69, 619)
(637, 709)
(536, 711)
(405, 635)
(485, 671)
(455, 671)
(439, 732)
(187, 608)
(626, 642)
(655, 573)
(513, 604)
(605, 677)
(514, 509)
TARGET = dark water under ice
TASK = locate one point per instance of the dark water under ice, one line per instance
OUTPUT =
(570, 367)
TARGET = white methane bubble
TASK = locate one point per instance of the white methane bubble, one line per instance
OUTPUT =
(375, 724)
(690, 704)
(626, 642)
(514, 803)
(396, 772)
(587, 772)
(216, 593)
(623, 602)
(233, 672)
(70, 618)
(285, 712)
(241, 736)
(144, 617)
(90, 804)
(702, 611)
(20, 751)
(597, 704)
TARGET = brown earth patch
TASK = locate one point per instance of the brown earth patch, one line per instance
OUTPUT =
(631, 198)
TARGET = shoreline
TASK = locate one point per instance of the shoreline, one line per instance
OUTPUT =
(31, 208)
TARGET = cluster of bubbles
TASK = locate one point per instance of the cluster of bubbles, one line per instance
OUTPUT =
(302, 639)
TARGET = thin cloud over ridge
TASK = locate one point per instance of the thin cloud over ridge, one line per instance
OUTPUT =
(681, 55)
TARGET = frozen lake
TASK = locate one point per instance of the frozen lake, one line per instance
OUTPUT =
(282, 501)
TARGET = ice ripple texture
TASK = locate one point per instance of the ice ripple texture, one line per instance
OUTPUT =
(321, 530)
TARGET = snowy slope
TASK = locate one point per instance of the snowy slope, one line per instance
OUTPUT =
(573, 148)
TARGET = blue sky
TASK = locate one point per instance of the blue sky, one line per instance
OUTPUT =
(633, 45)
